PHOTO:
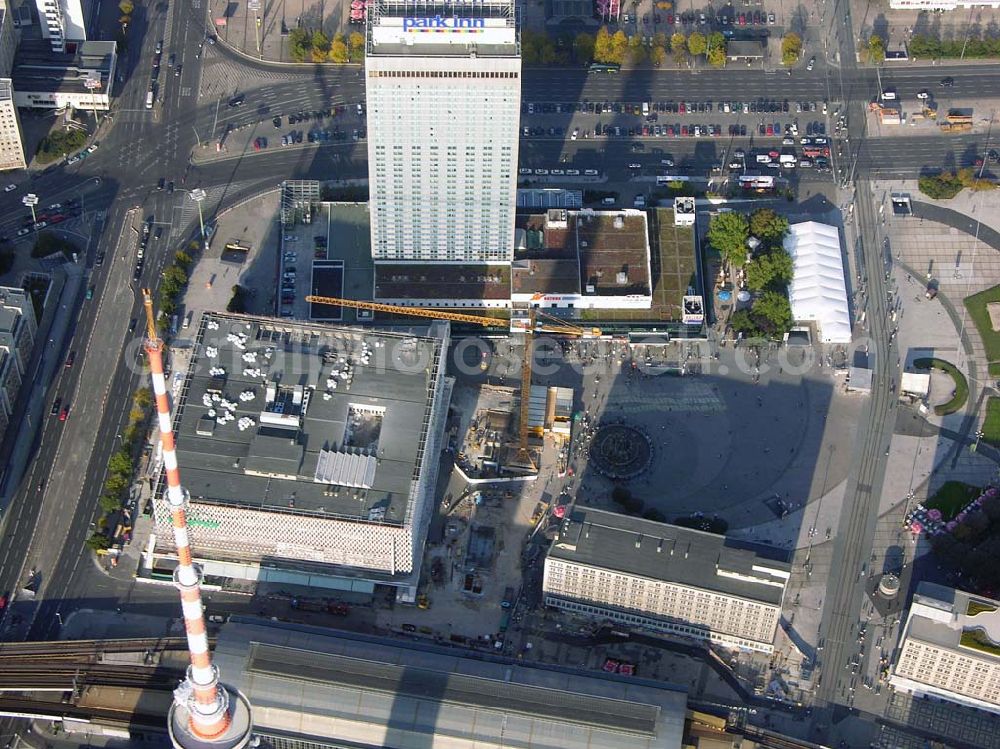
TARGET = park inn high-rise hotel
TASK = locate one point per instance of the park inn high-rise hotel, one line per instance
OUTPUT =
(443, 94)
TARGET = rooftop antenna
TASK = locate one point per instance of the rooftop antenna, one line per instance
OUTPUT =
(202, 715)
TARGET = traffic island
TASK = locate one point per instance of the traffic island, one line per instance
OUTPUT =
(959, 395)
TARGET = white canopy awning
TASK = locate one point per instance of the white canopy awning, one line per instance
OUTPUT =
(818, 291)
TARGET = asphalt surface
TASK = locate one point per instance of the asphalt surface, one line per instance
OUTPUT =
(853, 577)
(140, 146)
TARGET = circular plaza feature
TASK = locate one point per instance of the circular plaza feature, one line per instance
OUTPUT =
(620, 451)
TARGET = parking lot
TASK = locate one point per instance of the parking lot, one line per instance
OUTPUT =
(336, 125)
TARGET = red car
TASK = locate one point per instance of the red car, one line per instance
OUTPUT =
(610, 665)
(70, 359)
(770, 129)
(743, 19)
(58, 218)
(64, 413)
(670, 19)
(681, 108)
(3, 602)
(256, 145)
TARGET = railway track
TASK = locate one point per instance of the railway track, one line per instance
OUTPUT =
(52, 677)
(77, 649)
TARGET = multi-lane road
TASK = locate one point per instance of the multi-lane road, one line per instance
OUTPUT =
(140, 146)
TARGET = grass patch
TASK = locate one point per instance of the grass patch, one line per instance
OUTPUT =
(976, 639)
(961, 394)
(977, 607)
(991, 425)
(976, 305)
(58, 144)
(48, 244)
(952, 498)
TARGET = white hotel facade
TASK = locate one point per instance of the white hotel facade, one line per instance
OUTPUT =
(443, 95)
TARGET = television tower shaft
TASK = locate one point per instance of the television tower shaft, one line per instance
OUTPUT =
(206, 702)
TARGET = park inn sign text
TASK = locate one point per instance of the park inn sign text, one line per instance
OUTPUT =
(440, 23)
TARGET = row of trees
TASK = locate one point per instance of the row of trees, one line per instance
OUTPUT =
(947, 185)
(318, 47)
(768, 268)
(121, 466)
(618, 48)
(172, 283)
(922, 45)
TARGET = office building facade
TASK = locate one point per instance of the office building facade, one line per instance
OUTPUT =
(18, 329)
(443, 95)
(950, 648)
(11, 149)
(61, 22)
(665, 578)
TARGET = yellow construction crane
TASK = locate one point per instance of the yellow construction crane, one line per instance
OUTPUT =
(528, 324)
(147, 303)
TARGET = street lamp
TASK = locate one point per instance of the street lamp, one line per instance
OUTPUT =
(254, 5)
(31, 200)
(198, 195)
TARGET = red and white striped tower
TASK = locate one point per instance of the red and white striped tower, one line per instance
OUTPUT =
(202, 715)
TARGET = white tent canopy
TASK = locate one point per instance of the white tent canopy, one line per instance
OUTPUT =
(818, 291)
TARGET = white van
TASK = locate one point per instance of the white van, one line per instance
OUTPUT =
(763, 158)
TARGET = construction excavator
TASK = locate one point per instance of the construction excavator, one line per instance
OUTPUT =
(526, 321)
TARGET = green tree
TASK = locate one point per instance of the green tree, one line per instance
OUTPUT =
(697, 43)
(940, 186)
(356, 45)
(876, 49)
(660, 40)
(619, 47)
(728, 233)
(772, 269)
(969, 177)
(636, 52)
(655, 515)
(116, 483)
(183, 260)
(584, 46)
(546, 51)
(716, 50)
(174, 280)
(98, 542)
(120, 463)
(319, 45)
(602, 45)
(678, 47)
(298, 44)
(741, 322)
(339, 53)
(126, 7)
(658, 56)
(772, 313)
(142, 398)
(767, 225)
(791, 48)
(237, 302)
(109, 502)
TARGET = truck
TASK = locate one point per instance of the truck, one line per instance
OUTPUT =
(504, 621)
(508, 598)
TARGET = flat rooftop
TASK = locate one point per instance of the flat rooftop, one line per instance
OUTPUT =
(305, 418)
(582, 252)
(441, 281)
(659, 551)
(38, 68)
(940, 616)
(373, 692)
